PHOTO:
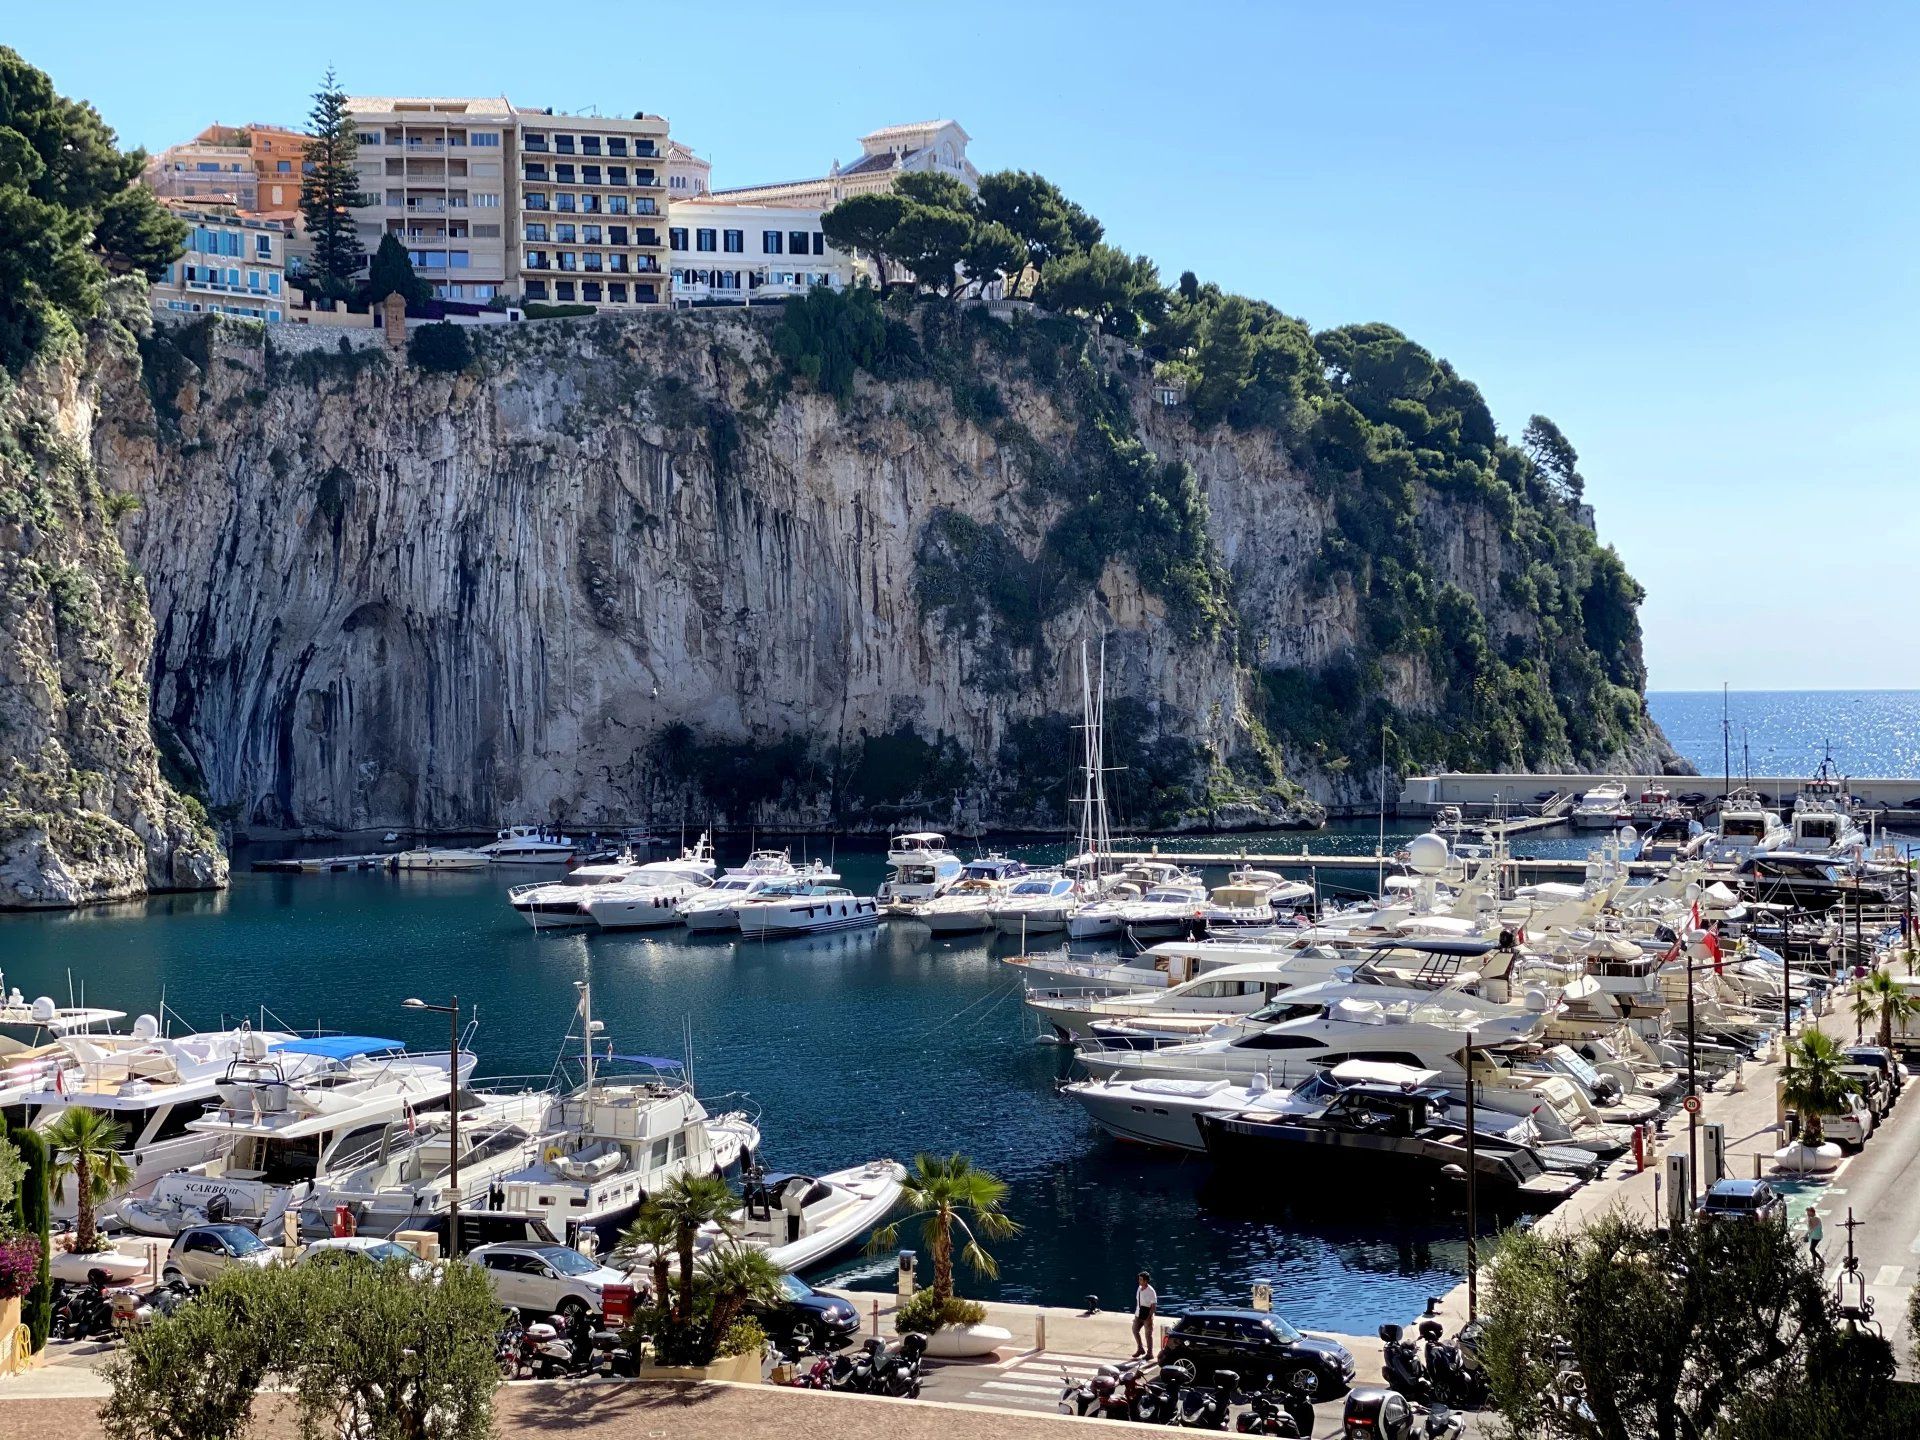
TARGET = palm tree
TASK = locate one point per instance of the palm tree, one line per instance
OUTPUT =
(736, 1278)
(652, 1236)
(945, 1194)
(85, 1145)
(1884, 999)
(687, 1203)
(1816, 1084)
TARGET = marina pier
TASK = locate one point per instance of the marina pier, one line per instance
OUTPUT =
(1519, 794)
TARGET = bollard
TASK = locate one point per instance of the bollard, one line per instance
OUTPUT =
(1039, 1329)
(876, 1317)
(1639, 1148)
(1756, 1164)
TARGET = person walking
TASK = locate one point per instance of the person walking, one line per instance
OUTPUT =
(1816, 1232)
(1145, 1302)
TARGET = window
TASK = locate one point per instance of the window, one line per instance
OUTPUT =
(589, 174)
(564, 234)
(563, 144)
(590, 290)
(371, 137)
(563, 289)
(536, 232)
(589, 144)
(562, 173)
(263, 246)
(676, 237)
(590, 204)
(796, 242)
(643, 206)
(569, 259)
(484, 137)
(819, 243)
(703, 239)
(593, 261)
(537, 260)
(563, 201)
(616, 145)
(459, 259)
(617, 264)
(736, 242)
(645, 294)
(283, 167)
(488, 200)
(616, 174)
(769, 242)
(535, 200)
(617, 292)
(590, 234)
(648, 236)
(536, 289)
(534, 172)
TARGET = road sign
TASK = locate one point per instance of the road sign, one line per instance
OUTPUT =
(1263, 1297)
(1691, 1104)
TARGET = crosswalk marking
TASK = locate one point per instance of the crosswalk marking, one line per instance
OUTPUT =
(998, 1398)
(1888, 1275)
(1018, 1385)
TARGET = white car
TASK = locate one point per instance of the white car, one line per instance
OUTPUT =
(375, 1248)
(201, 1252)
(1850, 1124)
(549, 1279)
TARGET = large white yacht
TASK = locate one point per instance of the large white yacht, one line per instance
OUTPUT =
(717, 907)
(806, 907)
(1604, 807)
(641, 903)
(921, 867)
(1105, 914)
(1256, 899)
(1036, 904)
(305, 1107)
(530, 845)
(1748, 826)
(1224, 995)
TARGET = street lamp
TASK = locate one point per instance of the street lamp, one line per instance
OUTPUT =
(452, 1012)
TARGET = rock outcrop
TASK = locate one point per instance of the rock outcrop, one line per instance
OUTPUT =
(85, 814)
(629, 568)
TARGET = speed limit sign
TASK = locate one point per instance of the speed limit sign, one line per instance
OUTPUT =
(1691, 1104)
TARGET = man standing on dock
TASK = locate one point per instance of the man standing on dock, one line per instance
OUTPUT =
(1145, 1302)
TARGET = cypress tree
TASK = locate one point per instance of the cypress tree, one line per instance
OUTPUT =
(35, 1206)
(330, 190)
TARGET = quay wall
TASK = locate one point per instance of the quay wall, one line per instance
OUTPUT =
(1423, 794)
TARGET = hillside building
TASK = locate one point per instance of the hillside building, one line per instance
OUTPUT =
(233, 264)
(935, 146)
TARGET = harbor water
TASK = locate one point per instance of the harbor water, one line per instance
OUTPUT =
(1787, 732)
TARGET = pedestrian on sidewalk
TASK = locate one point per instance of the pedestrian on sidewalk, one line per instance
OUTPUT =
(1145, 1302)
(1815, 1233)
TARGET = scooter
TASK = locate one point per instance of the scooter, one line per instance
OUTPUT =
(548, 1350)
(1206, 1407)
(854, 1372)
(815, 1376)
(1401, 1364)
(898, 1373)
(506, 1345)
(133, 1310)
(84, 1310)
(610, 1354)
(1450, 1371)
(1159, 1400)
(1376, 1414)
(1107, 1394)
(1287, 1412)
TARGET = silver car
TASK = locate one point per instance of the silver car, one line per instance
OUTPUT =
(200, 1252)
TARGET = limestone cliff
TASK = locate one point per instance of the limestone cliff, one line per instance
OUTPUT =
(85, 814)
(627, 568)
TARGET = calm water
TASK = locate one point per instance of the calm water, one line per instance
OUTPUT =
(1873, 732)
(853, 1045)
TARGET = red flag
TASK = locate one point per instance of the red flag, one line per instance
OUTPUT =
(1712, 942)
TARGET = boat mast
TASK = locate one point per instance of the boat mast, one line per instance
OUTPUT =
(585, 987)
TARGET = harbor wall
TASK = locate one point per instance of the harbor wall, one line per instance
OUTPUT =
(1423, 794)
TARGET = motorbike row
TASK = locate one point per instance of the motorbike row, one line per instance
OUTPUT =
(96, 1308)
(873, 1369)
(563, 1345)
(1435, 1372)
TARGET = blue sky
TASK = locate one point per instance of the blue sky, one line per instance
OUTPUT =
(1684, 232)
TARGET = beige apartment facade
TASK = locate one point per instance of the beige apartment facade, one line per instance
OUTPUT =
(591, 209)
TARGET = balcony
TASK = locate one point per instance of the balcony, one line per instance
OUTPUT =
(535, 173)
(535, 145)
(427, 207)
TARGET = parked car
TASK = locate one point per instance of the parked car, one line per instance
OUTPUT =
(1850, 1124)
(548, 1279)
(200, 1252)
(342, 1249)
(828, 1323)
(1882, 1060)
(1871, 1081)
(1254, 1344)
(1743, 1200)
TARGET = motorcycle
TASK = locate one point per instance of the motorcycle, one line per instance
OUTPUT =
(1401, 1364)
(609, 1352)
(133, 1310)
(1206, 1407)
(854, 1373)
(83, 1310)
(816, 1376)
(1376, 1414)
(506, 1346)
(1453, 1373)
(1098, 1394)
(1287, 1413)
(1159, 1399)
(897, 1373)
(549, 1348)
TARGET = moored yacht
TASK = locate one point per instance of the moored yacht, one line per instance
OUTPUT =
(1100, 915)
(1255, 899)
(1747, 827)
(921, 867)
(1037, 903)
(642, 903)
(805, 908)
(967, 906)
(1604, 807)
(530, 845)
(717, 907)
(800, 1220)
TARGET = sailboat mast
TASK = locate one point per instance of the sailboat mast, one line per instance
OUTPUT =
(586, 1032)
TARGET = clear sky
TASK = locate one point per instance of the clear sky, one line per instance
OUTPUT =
(1685, 232)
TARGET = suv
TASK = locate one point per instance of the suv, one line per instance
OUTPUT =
(550, 1279)
(1880, 1059)
(1871, 1082)
(828, 1323)
(1253, 1343)
(200, 1252)
(1743, 1200)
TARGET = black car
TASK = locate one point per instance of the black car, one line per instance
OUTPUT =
(1254, 1344)
(827, 1323)
(1881, 1059)
(1742, 1201)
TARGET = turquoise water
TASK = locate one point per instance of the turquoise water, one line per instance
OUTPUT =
(1872, 732)
(853, 1045)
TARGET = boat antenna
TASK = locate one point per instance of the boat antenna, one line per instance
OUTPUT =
(686, 1040)
(1380, 849)
(1726, 748)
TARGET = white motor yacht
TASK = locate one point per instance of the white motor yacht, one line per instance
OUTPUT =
(1604, 807)
(1035, 904)
(34, 1025)
(530, 845)
(1166, 910)
(921, 867)
(1747, 827)
(717, 907)
(1100, 914)
(1228, 994)
(805, 908)
(800, 1220)
(305, 1107)
(640, 904)
(967, 907)
(1255, 899)
(441, 858)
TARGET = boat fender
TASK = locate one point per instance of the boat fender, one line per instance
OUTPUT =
(553, 1153)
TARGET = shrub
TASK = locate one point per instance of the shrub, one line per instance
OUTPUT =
(534, 310)
(925, 1313)
(443, 348)
(19, 1266)
(743, 1337)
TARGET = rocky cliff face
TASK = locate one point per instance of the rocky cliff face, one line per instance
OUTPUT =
(85, 814)
(629, 568)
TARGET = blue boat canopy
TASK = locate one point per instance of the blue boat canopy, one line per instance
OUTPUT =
(338, 1047)
(654, 1060)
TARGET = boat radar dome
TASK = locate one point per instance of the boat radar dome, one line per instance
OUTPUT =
(1427, 854)
(253, 1046)
(43, 1010)
(145, 1027)
(1535, 999)
(1629, 835)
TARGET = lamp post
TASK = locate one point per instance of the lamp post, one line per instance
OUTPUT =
(1473, 1181)
(452, 1011)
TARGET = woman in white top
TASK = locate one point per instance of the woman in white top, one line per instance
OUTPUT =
(1145, 1302)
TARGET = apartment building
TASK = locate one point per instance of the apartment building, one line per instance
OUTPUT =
(935, 146)
(591, 209)
(722, 252)
(233, 264)
(253, 168)
(688, 176)
(440, 174)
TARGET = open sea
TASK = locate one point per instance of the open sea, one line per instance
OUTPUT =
(885, 1042)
